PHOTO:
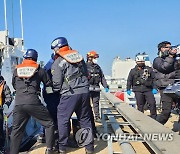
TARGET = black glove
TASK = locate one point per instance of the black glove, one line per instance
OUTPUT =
(177, 74)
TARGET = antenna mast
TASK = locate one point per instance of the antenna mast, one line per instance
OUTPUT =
(6, 26)
(22, 28)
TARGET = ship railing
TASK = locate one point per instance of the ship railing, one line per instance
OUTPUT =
(140, 123)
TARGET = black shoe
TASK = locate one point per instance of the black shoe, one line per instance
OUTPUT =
(89, 152)
(49, 151)
(62, 151)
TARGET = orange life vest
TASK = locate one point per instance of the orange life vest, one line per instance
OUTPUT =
(27, 68)
(72, 56)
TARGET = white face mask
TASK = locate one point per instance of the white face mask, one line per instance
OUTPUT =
(95, 61)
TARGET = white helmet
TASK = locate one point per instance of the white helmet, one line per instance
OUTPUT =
(140, 58)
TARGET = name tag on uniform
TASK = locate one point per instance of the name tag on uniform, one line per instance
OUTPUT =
(26, 72)
(73, 57)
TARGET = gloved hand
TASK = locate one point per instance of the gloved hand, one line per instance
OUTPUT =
(154, 91)
(106, 90)
(129, 92)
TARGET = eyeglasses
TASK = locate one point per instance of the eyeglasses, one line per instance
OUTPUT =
(166, 47)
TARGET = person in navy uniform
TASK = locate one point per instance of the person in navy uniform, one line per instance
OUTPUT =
(141, 80)
(26, 81)
(69, 76)
(51, 100)
(5, 98)
(164, 66)
(95, 77)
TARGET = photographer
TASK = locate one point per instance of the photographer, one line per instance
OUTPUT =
(164, 75)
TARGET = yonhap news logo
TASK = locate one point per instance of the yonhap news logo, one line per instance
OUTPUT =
(135, 137)
(83, 136)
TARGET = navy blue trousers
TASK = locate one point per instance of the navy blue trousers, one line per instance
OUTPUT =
(142, 97)
(95, 96)
(79, 104)
(166, 107)
(52, 101)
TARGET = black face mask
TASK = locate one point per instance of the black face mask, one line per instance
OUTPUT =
(141, 64)
(164, 54)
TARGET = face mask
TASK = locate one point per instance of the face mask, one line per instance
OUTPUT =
(95, 61)
(164, 54)
(141, 64)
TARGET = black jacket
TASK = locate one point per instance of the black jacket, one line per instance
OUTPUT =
(141, 80)
(164, 71)
(95, 77)
(28, 90)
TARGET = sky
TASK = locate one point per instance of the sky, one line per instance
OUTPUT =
(110, 27)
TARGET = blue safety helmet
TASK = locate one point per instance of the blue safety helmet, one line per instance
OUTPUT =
(31, 53)
(59, 42)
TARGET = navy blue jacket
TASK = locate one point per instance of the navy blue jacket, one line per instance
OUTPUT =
(67, 78)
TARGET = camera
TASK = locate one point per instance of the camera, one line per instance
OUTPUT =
(177, 48)
(173, 90)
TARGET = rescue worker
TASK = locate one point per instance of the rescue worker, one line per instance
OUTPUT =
(51, 100)
(26, 81)
(5, 98)
(69, 75)
(95, 77)
(140, 79)
(164, 66)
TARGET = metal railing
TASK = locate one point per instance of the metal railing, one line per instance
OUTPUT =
(137, 120)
